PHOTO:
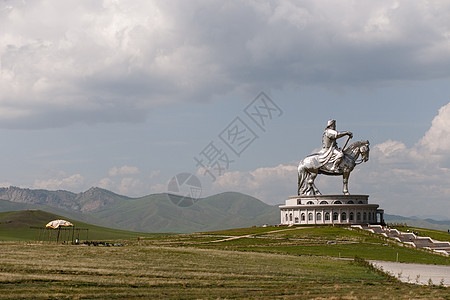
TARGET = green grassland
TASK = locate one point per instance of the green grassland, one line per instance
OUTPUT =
(258, 262)
(24, 226)
(150, 271)
(338, 242)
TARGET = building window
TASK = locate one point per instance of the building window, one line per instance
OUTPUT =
(335, 216)
(309, 202)
(310, 217)
(343, 216)
(319, 217)
(358, 216)
(323, 202)
(350, 202)
(290, 217)
(351, 216)
(364, 216)
(296, 219)
(360, 202)
(327, 216)
(287, 218)
(337, 202)
(303, 217)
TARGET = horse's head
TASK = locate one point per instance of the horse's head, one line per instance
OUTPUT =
(364, 150)
(359, 148)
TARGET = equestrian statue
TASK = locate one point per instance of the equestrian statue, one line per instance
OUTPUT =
(331, 160)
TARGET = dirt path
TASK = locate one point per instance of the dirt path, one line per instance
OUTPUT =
(253, 234)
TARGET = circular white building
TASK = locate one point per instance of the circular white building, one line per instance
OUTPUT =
(330, 209)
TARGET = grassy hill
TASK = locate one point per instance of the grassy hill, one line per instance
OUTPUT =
(251, 263)
(330, 241)
(152, 213)
(7, 206)
(15, 226)
(156, 213)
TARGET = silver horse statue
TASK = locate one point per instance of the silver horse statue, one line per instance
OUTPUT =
(311, 166)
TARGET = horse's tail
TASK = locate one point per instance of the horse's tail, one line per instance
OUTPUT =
(302, 178)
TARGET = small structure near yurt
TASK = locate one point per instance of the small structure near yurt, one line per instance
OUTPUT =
(60, 230)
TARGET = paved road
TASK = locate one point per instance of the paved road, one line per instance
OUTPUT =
(416, 273)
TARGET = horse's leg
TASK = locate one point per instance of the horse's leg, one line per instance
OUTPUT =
(302, 180)
(312, 186)
(310, 182)
(300, 184)
(345, 177)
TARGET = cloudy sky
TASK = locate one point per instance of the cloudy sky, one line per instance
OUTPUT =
(125, 95)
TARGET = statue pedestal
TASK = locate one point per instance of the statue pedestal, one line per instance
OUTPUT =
(330, 209)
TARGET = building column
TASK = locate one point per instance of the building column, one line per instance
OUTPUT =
(381, 213)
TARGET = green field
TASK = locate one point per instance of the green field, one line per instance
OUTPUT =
(28, 225)
(149, 271)
(338, 242)
(269, 262)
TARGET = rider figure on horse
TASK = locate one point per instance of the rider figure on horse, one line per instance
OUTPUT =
(330, 152)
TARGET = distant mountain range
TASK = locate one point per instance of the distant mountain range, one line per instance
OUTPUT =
(418, 222)
(157, 213)
(152, 213)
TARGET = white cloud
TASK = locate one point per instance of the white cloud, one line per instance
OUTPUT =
(129, 181)
(113, 61)
(106, 183)
(154, 174)
(158, 188)
(270, 184)
(5, 184)
(124, 170)
(390, 148)
(129, 186)
(436, 142)
(72, 182)
(122, 180)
